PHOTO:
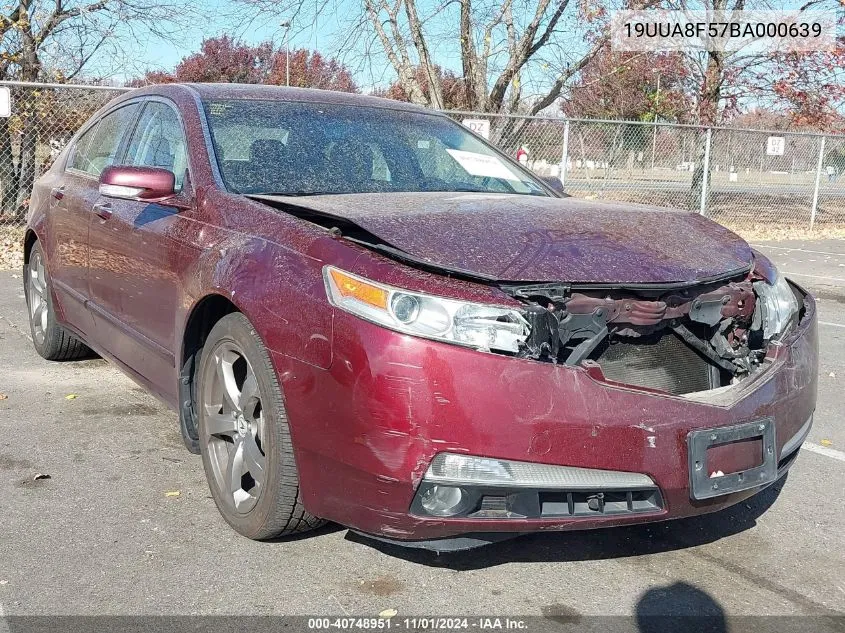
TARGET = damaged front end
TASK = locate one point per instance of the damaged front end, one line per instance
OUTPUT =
(676, 340)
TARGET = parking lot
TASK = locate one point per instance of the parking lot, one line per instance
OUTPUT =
(125, 524)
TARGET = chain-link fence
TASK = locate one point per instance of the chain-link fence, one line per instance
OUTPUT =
(736, 176)
(43, 119)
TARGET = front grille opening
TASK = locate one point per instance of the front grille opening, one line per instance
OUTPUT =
(585, 503)
(539, 504)
(661, 360)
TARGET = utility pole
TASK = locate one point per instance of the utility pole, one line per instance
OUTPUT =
(656, 117)
(286, 26)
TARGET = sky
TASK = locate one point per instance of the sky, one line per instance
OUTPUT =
(222, 17)
(324, 34)
(234, 19)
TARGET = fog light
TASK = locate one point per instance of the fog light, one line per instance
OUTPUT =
(442, 501)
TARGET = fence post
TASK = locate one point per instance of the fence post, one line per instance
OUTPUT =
(653, 145)
(564, 155)
(818, 182)
(705, 177)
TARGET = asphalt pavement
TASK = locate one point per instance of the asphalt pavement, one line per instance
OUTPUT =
(124, 525)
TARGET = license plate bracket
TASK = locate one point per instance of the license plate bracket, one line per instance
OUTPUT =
(702, 486)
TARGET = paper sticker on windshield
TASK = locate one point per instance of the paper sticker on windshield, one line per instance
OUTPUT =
(482, 165)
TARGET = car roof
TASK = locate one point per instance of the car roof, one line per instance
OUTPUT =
(212, 91)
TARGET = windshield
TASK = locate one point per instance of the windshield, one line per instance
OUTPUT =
(293, 148)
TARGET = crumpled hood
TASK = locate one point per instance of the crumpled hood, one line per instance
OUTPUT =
(539, 239)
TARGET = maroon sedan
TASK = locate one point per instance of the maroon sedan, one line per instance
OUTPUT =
(366, 314)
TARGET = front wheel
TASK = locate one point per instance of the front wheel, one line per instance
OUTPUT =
(51, 340)
(244, 436)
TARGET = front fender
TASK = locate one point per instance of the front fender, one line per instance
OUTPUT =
(280, 290)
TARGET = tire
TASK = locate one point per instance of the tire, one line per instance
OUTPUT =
(244, 435)
(50, 339)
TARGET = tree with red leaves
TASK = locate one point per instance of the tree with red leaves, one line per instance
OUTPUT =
(812, 86)
(226, 60)
(453, 89)
(310, 69)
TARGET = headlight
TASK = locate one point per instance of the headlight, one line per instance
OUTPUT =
(471, 324)
(778, 306)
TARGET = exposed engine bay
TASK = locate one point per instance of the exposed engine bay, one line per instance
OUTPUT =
(679, 341)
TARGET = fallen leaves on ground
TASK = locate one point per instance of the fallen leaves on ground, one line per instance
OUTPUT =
(11, 247)
(40, 476)
(770, 231)
(172, 493)
(388, 613)
(71, 396)
(3, 396)
(826, 442)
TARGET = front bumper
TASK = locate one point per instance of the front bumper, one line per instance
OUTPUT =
(366, 430)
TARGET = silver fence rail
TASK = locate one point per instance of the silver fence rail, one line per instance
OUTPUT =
(736, 176)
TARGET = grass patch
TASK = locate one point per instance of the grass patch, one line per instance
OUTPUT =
(767, 232)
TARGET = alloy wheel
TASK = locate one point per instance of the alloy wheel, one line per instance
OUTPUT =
(39, 307)
(234, 426)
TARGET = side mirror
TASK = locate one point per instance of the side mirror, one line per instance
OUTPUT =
(145, 184)
(554, 183)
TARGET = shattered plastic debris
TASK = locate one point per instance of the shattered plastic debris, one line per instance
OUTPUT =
(39, 476)
(388, 613)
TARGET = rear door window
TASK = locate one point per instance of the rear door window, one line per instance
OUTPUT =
(98, 147)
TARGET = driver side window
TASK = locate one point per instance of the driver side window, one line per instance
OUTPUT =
(158, 141)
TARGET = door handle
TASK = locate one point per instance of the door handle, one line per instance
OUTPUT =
(103, 209)
(58, 192)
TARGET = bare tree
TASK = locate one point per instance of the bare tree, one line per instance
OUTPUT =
(513, 55)
(56, 40)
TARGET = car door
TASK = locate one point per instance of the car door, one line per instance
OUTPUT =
(71, 201)
(136, 255)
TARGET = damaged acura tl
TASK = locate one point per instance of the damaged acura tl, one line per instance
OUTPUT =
(364, 313)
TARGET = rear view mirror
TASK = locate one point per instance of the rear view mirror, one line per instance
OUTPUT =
(147, 184)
